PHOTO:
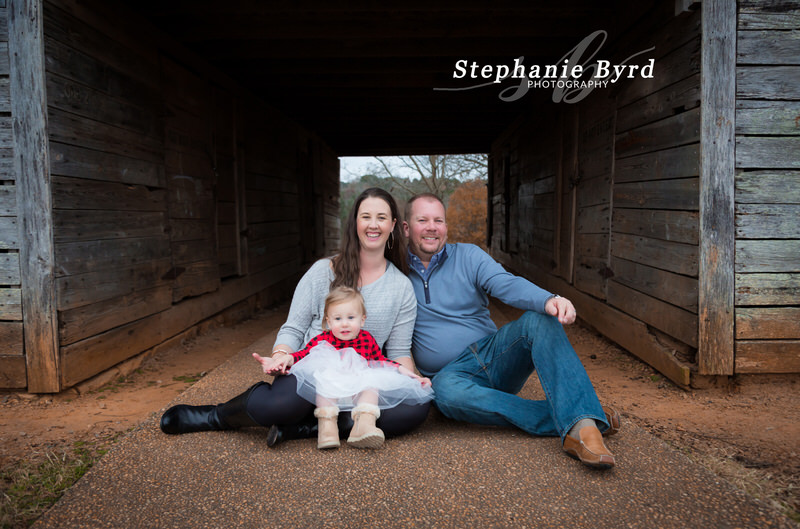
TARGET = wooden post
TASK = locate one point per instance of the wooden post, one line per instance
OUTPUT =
(717, 163)
(34, 199)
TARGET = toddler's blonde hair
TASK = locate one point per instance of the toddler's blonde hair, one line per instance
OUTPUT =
(341, 295)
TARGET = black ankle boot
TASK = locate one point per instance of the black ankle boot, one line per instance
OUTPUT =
(226, 416)
(306, 429)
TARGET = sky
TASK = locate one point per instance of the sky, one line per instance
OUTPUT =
(353, 167)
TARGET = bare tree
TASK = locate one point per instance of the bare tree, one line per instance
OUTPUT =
(440, 173)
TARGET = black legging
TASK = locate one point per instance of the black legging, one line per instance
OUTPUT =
(280, 404)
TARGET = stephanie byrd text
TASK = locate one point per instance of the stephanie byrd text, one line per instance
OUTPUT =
(601, 70)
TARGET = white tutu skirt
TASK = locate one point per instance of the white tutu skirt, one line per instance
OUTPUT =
(340, 375)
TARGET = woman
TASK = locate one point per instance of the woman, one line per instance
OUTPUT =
(373, 260)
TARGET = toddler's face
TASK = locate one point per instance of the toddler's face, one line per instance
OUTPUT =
(345, 319)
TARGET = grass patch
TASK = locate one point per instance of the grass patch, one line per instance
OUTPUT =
(29, 488)
(188, 379)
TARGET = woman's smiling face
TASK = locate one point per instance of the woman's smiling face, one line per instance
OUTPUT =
(374, 223)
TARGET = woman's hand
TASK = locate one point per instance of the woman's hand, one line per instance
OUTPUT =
(276, 365)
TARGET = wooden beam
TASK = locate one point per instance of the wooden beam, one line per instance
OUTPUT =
(34, 198)
(715, 353)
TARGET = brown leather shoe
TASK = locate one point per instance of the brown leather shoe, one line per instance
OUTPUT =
(612, 418)
(589, 449)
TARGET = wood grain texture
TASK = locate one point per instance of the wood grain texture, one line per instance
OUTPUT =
(717, 164)
(32, 159)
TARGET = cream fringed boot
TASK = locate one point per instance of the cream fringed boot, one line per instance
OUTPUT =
(328, 434)
(364, 433)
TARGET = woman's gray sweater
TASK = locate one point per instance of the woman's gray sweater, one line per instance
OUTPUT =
(391, 309)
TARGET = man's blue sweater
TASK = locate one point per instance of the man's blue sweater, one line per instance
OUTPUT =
(452, 302)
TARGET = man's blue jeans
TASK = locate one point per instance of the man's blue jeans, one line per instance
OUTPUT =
(480, 385)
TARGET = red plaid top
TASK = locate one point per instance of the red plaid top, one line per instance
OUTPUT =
(364, 344)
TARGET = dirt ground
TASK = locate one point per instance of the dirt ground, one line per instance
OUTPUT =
(746, 431)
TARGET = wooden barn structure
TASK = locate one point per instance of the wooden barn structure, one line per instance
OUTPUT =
(163, 162)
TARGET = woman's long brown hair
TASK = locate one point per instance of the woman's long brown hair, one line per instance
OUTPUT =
(346, 265)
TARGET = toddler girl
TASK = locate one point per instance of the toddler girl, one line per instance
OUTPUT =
(342, 368)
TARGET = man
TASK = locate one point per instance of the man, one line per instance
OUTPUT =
(476, 369)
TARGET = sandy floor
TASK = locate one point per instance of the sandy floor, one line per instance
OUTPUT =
(747, 431)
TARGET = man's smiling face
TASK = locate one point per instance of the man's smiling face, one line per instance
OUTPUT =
(426, 228)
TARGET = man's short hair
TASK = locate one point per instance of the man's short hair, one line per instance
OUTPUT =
(428, 196)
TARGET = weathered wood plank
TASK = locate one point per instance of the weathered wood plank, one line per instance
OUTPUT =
(71, 160)
(13, 372)
(196, 278)
(71, 31)
(194, 250)
(29, 104)
(89, 320)
(7, 169)
(683, 194)
(5, 92)
(9, 268)
(6, 133)
(673, 99)
(594, 219)
(676, 226)
(673, 288)
(190, 198)
(108, 254)
(588, 279)
(88, 357)
(8, 200)
(768, 47)
(777, 8)
(4, 65)
(71, 225)
(768, 221)
(761, 20)
(768, 356)
(767, 289)
(264, 230)
(680, 129)
(767, 118)
(259, 213)
(676, 322)
(594, 191)
(84, 101)
(10, 304)
(768, 323)
(666, 255)
(758, 152)
(78, 194)
(715, 355)
(11, 341)
(680, 162)
(679, 63)
(9, 233)
(264, 256)
(83, 289)
(768, 256)
(67, 62)
(768, 187)
(75, 130)
(768, 82)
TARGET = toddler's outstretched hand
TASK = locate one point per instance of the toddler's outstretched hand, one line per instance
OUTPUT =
(274, 366)
(425, 381)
